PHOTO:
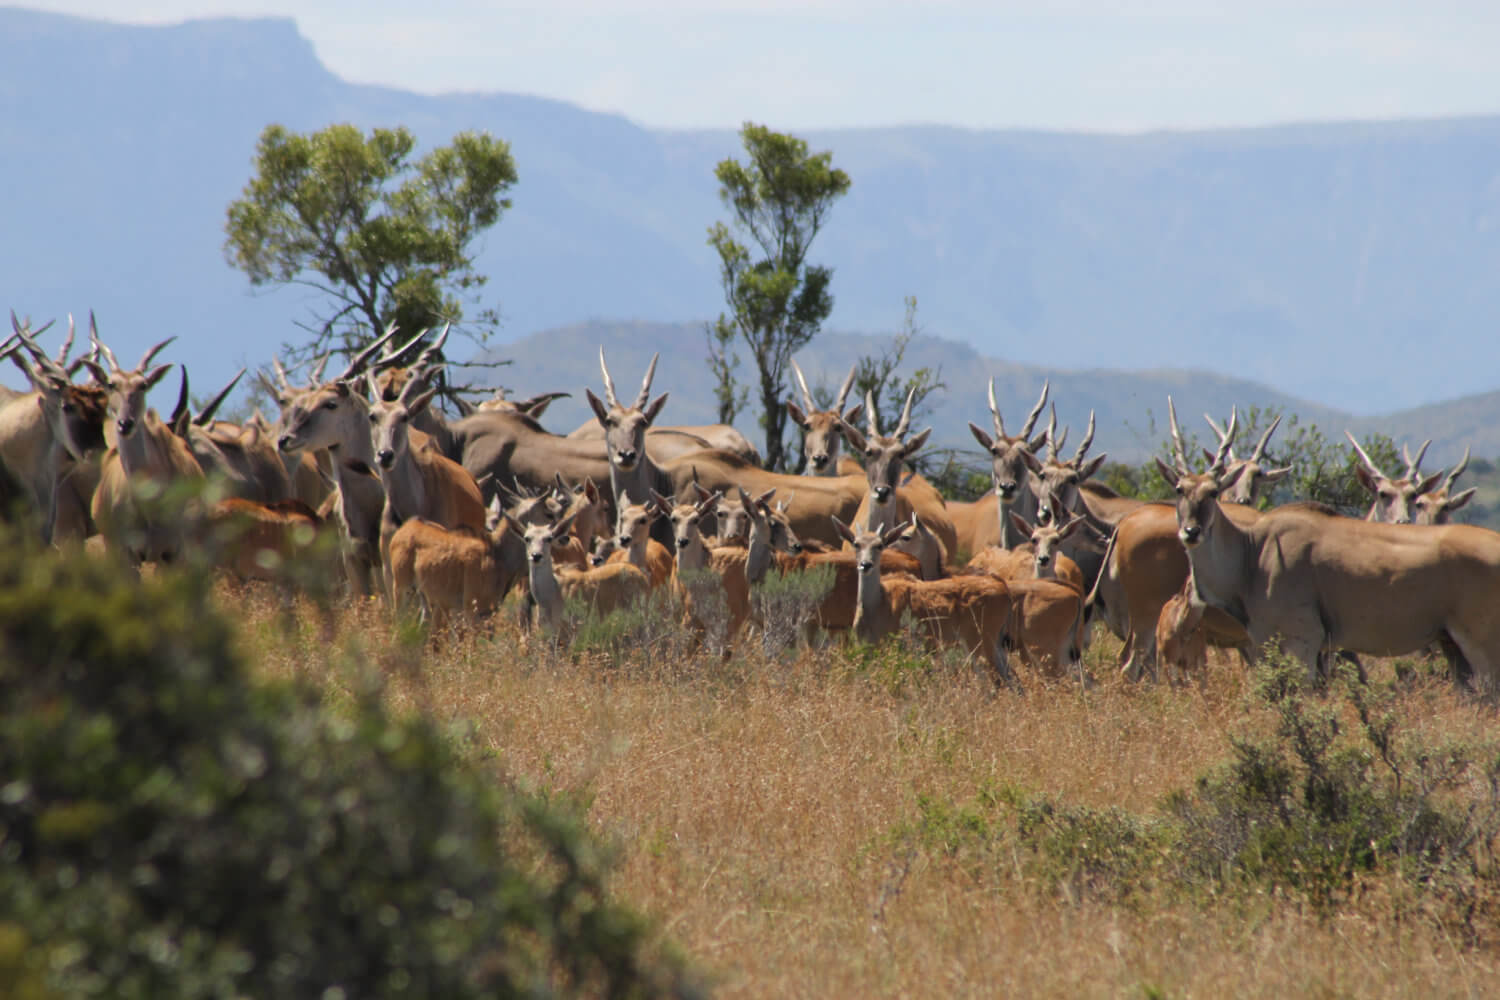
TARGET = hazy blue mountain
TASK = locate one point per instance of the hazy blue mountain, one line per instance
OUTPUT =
(1357, 265)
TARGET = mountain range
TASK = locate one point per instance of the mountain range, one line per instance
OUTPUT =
(1130, 408)
(1350, 268)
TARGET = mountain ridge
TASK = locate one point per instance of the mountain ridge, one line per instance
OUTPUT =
(1129, 406)
(1349, 262)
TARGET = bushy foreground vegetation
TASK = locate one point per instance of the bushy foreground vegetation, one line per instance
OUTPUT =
(170, 828)
(844, 821)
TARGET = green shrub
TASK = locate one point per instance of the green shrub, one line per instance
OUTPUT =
(168, 828)
(649, 632)
(1310, 805)
(1305, 806)
(785, 603)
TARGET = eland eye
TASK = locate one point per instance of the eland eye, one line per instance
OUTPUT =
(331, 405)
(374, 418)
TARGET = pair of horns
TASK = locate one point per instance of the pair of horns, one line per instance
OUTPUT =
(839, 401)
(1226, 442)
(1031, 418)
(609, 383)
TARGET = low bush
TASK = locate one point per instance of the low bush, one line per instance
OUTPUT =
(168, 828)
(1320, 795)
(785, 603)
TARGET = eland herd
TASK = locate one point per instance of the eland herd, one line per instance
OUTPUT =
(454, 514)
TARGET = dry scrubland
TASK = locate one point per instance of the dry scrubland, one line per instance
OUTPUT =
(851, 823)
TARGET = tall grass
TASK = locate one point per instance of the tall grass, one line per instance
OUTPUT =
(833, 821)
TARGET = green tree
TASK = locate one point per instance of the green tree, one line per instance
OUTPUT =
(386, 238)
(777, 301)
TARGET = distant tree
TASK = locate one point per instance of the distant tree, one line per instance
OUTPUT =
(777, 300)
(877, 376)
(386, 238)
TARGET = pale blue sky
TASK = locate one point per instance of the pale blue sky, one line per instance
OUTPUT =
(1054, 64)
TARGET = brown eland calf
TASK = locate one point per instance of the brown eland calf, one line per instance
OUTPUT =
(969, 612)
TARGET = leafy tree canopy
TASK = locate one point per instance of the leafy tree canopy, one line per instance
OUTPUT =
(779, 201)
(386, 238)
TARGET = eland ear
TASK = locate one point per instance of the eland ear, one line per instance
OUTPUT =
(419, 404)
(1171, 475)
(1021, 524)
(1455, 502)
(852, 434)
(910, 448)
(982, 436)
(1427, 485)
(842, 529)
(652, 410)
(157, 374)
(597, 405)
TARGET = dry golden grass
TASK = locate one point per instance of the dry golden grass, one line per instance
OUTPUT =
(753, 806)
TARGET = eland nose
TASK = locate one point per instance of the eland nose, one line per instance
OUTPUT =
(1006, 489)
(819, 461)
(386, 457)
(882, 493)
(1044, 516)
(1190, 533)
(125, 425)
(1043, 560)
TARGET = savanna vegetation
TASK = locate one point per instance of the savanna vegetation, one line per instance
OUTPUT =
(218, 788)
(209, 790)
